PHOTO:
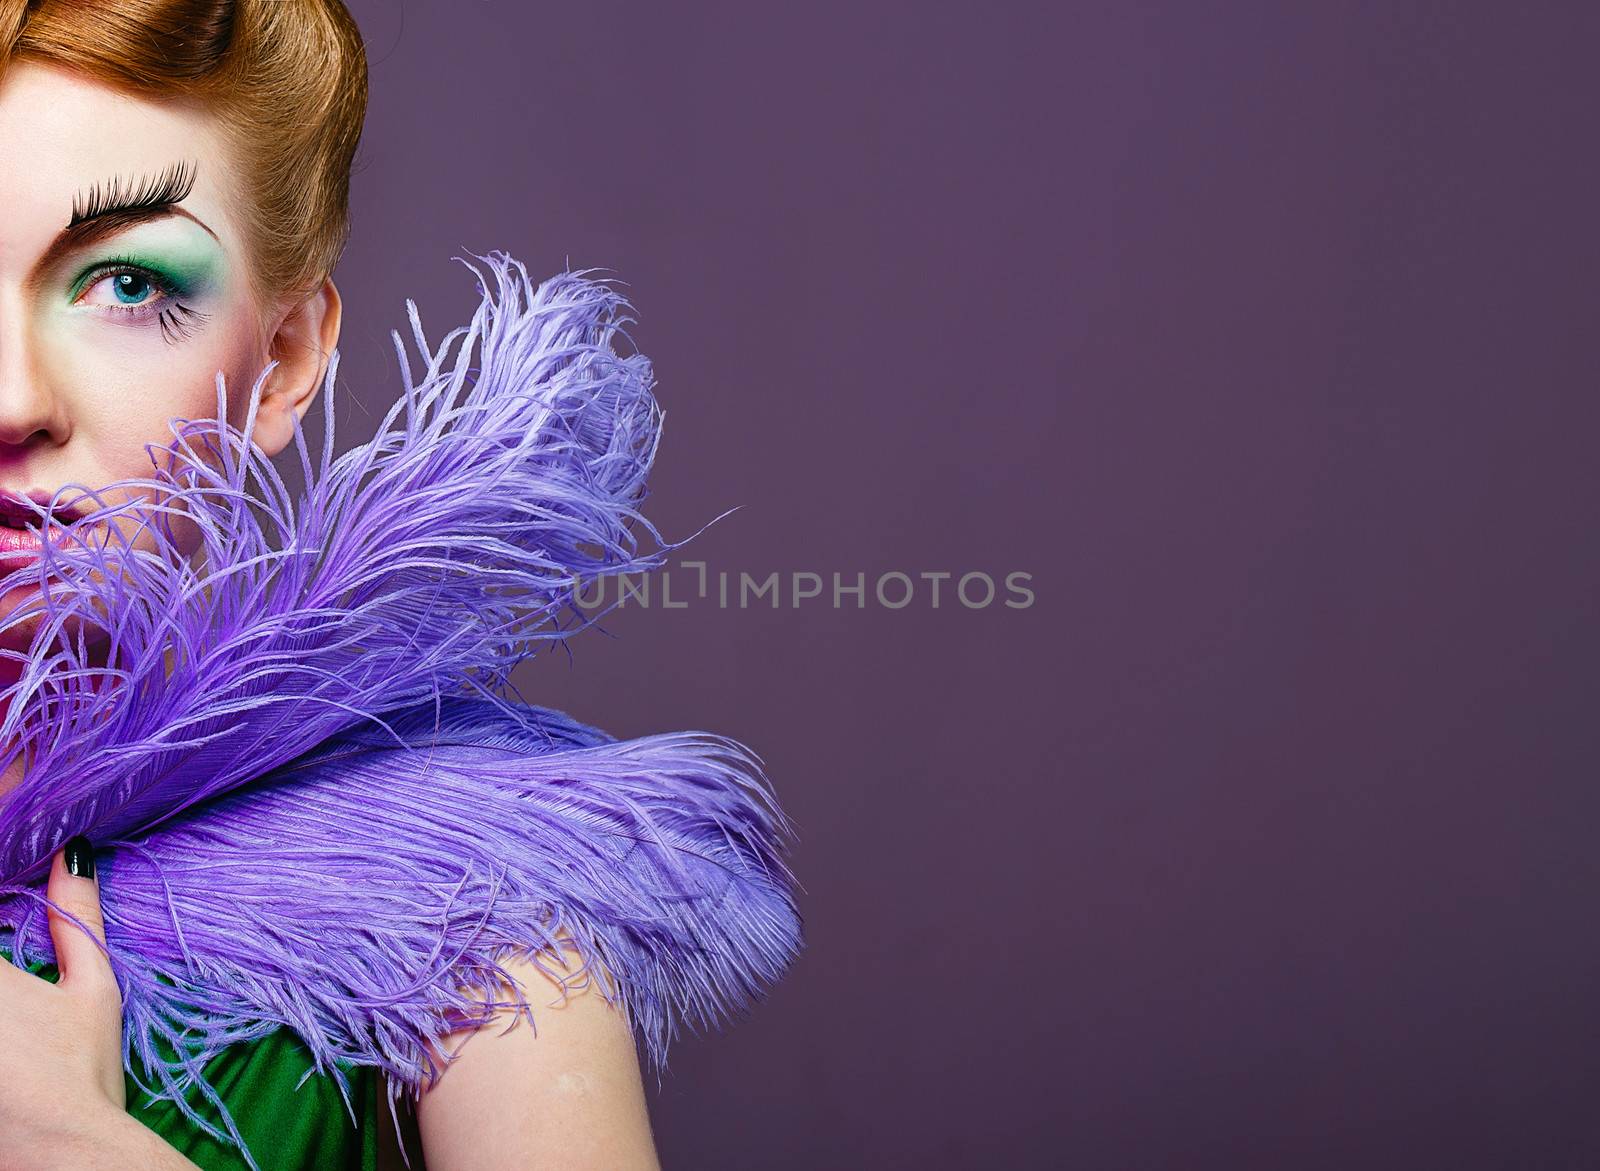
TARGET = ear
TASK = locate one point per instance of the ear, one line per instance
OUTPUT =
(302, 343)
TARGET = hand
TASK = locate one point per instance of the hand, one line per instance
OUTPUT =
(62, 1042)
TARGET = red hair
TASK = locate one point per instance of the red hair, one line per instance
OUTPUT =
(287, 80)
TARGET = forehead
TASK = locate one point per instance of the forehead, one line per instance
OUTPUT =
(62, 133)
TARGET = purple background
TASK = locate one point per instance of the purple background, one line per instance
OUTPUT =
(1262, 337)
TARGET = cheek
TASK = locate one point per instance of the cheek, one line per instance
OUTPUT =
(120, 386)
(117, 388)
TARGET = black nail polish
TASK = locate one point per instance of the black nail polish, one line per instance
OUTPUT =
(80, 856)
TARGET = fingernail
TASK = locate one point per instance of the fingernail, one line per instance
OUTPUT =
(80, 856)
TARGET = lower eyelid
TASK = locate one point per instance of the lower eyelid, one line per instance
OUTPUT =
(143, 308)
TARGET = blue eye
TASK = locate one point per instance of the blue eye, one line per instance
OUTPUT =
(125, 286)
(131, 288)
(128, 292)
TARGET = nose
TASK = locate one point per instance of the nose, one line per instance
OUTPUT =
(31, 413)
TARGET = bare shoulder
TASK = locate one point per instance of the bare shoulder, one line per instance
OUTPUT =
(566, 1092)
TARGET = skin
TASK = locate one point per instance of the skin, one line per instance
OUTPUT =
(88, 376)
(568, 1095)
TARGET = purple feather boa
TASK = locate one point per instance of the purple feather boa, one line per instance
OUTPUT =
(313, 802)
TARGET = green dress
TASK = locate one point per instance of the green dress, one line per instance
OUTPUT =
(287, 1129)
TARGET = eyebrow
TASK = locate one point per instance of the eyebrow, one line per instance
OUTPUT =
(117, 205)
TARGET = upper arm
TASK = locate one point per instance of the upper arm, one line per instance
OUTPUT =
(569, 1095)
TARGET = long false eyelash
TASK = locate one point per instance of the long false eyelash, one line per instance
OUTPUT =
(172, 186)
(181, 320)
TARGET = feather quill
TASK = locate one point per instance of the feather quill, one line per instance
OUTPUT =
(317, 803)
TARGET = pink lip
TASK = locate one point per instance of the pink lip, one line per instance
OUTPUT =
(17, 544)
(23, 508)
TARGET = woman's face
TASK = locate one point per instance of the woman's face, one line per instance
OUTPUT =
(124, 283)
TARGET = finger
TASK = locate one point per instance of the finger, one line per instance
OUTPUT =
(74, 888)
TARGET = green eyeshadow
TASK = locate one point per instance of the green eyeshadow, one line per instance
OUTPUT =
(189, 274)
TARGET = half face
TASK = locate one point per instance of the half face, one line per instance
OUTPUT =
(124, 287)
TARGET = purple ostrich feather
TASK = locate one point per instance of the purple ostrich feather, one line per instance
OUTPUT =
(314, 800)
